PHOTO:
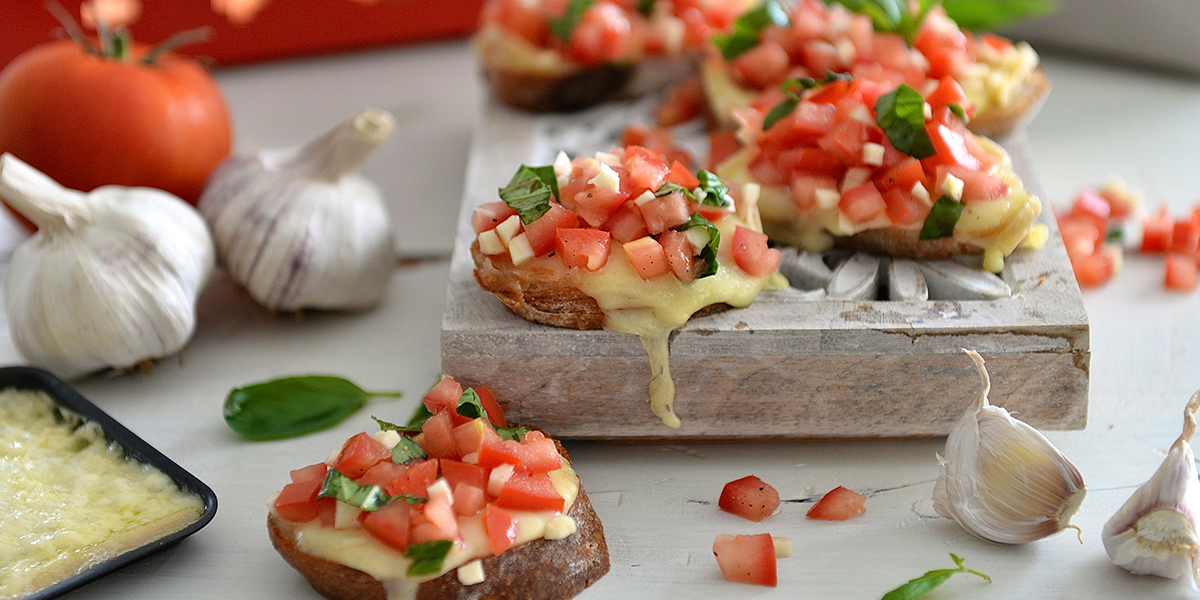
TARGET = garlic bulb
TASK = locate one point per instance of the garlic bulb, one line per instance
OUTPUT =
(1154, 533)
(111, 277)
(299, 228)
(1001, 479)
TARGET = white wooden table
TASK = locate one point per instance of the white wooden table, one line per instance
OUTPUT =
(658, 503)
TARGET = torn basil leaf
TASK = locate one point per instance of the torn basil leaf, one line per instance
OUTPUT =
(512, 433)
(930, 580)
(793, 88)
(406, 450)
(564, 25)
(901, 115)
(469, 405)
(715, 192)
(420, 415)
(669, 188)
(988, 15)
(401, 429)
(778, 112)
(892, 16)
(943, 217)
(293, 406)
(529, 192)
(411, 499)
(709, 253)
(427, 557)
(958, 111)
(747, 29)
(364, 497)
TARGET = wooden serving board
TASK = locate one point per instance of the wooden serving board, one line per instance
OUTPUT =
(782, 368)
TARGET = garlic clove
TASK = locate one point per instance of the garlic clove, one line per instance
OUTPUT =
(1001, 479)
(1154, 532)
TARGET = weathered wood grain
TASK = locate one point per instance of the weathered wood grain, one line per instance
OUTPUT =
(781, 368)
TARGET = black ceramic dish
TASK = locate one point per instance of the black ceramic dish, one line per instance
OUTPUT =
(27, 378)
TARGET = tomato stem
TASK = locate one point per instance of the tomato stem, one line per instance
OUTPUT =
(115, 43)
(183, 38)
(71, 27)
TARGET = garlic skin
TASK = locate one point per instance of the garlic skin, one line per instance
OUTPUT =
(1001, 479)
(110, 279)
(1154, 532)
(299, 228)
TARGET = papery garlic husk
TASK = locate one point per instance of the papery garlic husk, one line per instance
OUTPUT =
(110, 279)
(1155, 531)
(300, 228)
(1001, 479)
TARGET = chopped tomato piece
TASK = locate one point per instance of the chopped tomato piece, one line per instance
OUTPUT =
(437, 437)
(443, 396)
(298, 501)
(1185, 238)
(542, 232)
(810, 161)
(601, 36)
(804, 190)
(439, 512)
(315, 472)
(495, 413)
(460, 473)
(595, 206)
(382, 474)
(1089, 205)
(751, 253)
(747, 558)
(530, 492)
(838, 505)
(903, 175)
(626, 224)
(417, 478)
(682, 103)
(978, 185)
(904, 210)
(721, 145)
(538, 454)
(749, 498)
(1092, 270)
(647, 257)
(490, 214)
(645, 169)
(360, 453)
(845, 141)
(496, 453)
(949, 138)
(862, 203)
(665, 212)
(948, 92)
(1157, 231)
(762, 66)
(682, 176)
(469, 500)
(389, 524)
(584, 248)
(501, 528)
(1181, 274)
(471, 436)
(679, 253)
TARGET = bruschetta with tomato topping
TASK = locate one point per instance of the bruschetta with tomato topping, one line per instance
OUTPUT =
(882, 168)
(562, 55)
(1002, 82)
(453, 505)
(626, 242)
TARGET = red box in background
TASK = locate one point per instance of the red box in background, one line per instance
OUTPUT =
(284, 28)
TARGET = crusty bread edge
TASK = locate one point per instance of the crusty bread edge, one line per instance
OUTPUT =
(539, 570)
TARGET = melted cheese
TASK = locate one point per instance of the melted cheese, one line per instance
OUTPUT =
(996, 78)
(358, 549)
(517, 53)
(69, 499)
(996, 226)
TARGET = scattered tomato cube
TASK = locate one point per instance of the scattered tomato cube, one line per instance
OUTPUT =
(1157, 231)
(749, 498)
(1181, 273)
(747, 558)
(838, 505)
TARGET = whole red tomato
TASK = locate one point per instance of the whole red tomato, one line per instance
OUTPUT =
(86, 120)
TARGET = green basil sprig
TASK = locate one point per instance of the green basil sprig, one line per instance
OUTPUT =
(793, 89)
(715, 191)
(943, 217)
(564, 25)
(406, 450)
(988, 15)
(364, 497)
(709, 253)
(669, 188)
(927, 582)
(293, 406)
(901, 115)
(747, 29)
(892, 16)
(529, 192)
(427, 557)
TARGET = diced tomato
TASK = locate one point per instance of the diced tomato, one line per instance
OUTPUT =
(1185, 238)
(845, 141)
(490, 214)
(903, 175)
(443, 396)
(862, 203)
(519, 18)
(584, 248)
(749, 498)
(680, 254)
(1092, 270)
(995, 42)
(810, 161)
(978, 185)
(655, 139)
(382, 474)
(389, 524)
(297, 502)
(601, 36)
(682, 103)
(315, 472)
(495, 413)
(1181, 274)
(949, 136)
(804, 189)
(469, 500)
(682, 176)
(645, 169)
(460, 473)
(530, 492)
(830, 93)
(470, 437)
(437, 437)
(821, 56)
(501, 529)
(664, 212)
(647, 257)
(807, 124)
(327, 510)
(360, 453)
(542, 232)
(948, 92)
(904, 210)
(419, 475)
(1121, 201)
(595, 206)
(762, 66)
(946, 51)
(1157, 231)
(626, 224)
(838, 505)
(751, 253)
(721, 145)
(496, 453)
(747, 558)
(439, 512)
(538, 454)
(1089, 205)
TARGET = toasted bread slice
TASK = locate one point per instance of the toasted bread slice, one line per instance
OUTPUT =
(999, 120)
(539, 570)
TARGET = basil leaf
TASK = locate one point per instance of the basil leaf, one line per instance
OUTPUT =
(669, 188)
(747, 29)
(646, 7)
(512, 433)
(406, 450)
(987, 15)
(778, 112)
(793, 88)
(411, 499)
(529, 192)
(943, 216)
(427, 557)
(715, 192)
(958, 111)
(293, 406)
(709, 253)
(930, 580)
(420, 415)
(365, 497)
(385, 426)
(901, 115)
(469, 405)
(891, 16)
(564, 25)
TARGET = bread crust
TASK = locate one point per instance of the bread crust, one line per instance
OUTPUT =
(905, 243)
(539, 570)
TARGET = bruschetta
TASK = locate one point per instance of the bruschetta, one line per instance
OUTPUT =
(626, 242)
(562, 55)
(881, 168)
(453, 505)
(1002, 81)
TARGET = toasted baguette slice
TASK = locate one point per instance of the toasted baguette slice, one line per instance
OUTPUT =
(539, 570)
(1000, 120)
